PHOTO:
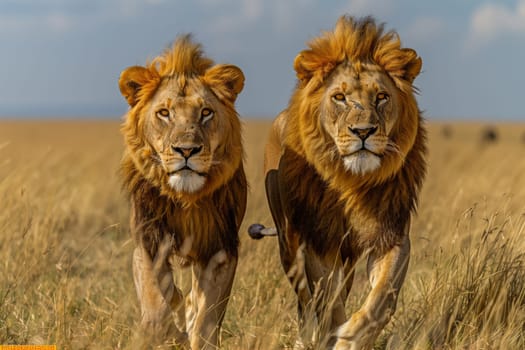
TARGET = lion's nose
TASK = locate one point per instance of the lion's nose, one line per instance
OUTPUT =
(363, 133)
(187, 151)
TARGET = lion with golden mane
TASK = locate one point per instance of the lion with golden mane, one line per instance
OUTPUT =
(344, 165)
(183, 169)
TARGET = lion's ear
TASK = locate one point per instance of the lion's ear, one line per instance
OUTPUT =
(307, 64)
(413, 66)
(226, 81)
(303, 66)
(131, 81)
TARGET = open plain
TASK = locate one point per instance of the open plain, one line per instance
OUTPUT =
(65, 250)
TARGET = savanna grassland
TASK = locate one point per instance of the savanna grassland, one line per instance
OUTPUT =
(65, 250)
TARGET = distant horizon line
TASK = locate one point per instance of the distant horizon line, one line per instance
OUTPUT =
(97, 117)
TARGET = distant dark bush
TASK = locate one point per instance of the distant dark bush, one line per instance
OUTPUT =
(489, 135)
(446, 131)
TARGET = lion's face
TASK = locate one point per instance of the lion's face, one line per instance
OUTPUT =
(358, 111)
(184, 126)
(354, 116)
(183, 132)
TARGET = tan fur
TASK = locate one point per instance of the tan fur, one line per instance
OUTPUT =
(184, 173)
(332, 205)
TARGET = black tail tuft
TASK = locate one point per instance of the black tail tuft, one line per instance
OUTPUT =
(258, 231)
(255, 231)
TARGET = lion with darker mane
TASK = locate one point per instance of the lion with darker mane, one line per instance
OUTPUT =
(344, 165)
(183, 169)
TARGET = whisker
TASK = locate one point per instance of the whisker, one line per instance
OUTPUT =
(392, 147)
(333, 153)
(156, 158)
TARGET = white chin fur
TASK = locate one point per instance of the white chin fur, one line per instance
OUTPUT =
(186, 182)
(361, 163)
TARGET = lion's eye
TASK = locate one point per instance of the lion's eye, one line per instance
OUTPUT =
(206, 114)
(339, 97)
(163, 113)
(382, 96)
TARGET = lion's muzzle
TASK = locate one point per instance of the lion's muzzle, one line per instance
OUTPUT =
(363, 132)
(187, 151)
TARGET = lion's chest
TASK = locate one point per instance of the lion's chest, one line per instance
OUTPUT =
(322, 217)
(199, 231)
(323, 223)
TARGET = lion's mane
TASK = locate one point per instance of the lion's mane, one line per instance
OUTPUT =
(388, 194)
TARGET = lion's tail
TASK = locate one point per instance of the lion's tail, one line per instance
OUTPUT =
(258, 231)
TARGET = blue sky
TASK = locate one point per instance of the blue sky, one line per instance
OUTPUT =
(63, 57)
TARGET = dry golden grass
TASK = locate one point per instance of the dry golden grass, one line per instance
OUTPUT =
(65, 257)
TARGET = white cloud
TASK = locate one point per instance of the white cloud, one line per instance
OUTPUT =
(252, 9)
(58, 22)
(55, 23)
(493, 20)
(246, 12)
(62, 16)
(378, 8)
(241, 14)
(423, 30)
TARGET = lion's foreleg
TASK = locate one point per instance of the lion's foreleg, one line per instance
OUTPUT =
(386, 274)
(327, 280)
(293, 261)
(179, 311)
(209, 297)
(157, 294)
